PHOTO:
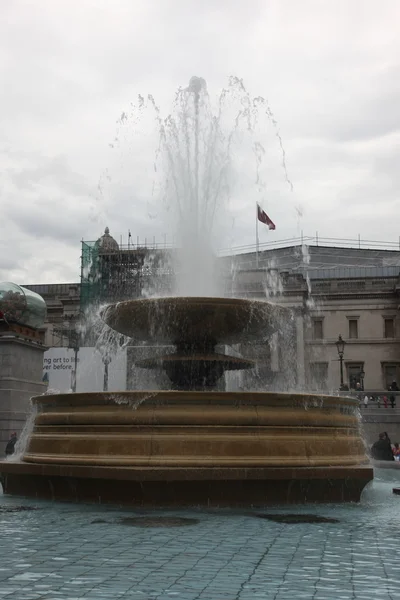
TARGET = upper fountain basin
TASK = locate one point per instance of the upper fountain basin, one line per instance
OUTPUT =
(195, 320)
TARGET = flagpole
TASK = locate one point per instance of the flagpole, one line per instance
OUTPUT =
(257, 241)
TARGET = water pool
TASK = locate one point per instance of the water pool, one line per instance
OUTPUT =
(68, 552)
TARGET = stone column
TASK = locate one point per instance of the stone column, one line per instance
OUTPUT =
(21, 372)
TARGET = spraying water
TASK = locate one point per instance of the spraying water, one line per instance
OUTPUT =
(205, 150)
(198, 164)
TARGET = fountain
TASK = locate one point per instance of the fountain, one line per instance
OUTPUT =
(192, 444)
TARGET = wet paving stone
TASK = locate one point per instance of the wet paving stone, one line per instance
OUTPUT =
(74, 552)
(158, 521)
(294, 519)
(14, 509)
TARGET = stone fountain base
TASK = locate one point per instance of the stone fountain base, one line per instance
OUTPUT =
(223, 487)
(192, 448)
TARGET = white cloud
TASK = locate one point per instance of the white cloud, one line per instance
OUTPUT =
(330, 71)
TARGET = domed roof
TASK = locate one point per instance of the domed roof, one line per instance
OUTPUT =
(21, 305)
(106, 242)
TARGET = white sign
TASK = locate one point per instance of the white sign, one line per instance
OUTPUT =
(59, 363)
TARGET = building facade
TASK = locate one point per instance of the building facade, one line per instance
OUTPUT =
(364, 310)
(350, 292)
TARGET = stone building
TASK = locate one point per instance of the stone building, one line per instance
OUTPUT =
(63, 309)
(348, 291)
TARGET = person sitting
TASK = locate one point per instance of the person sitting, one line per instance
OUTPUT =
(11, 444)
(396, 451)
(382, 449)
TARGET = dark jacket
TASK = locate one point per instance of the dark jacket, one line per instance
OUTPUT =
(11, 446)
(382, 450)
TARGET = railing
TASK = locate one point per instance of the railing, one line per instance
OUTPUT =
(56, 289)
(316, 240)
(372, 394)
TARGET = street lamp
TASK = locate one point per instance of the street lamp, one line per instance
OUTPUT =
(362, 375)
(340, 348)
(73, 344)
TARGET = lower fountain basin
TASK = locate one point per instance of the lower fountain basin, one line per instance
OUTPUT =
(180, 429)
(185, 448)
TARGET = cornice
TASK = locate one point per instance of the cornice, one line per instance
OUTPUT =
(357, 342)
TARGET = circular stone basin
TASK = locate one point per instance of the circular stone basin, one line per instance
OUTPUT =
(158, 521)
(196, 320)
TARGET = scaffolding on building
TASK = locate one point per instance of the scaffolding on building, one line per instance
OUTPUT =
(112, 274)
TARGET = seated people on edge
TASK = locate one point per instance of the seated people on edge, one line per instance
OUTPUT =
(382, 449)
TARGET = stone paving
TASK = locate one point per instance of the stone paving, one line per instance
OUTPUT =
(70, 552)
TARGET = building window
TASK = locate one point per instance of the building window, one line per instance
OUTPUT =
(319, 375)
(390, 372)
(354, 375)
(353, 329)
(389, 327)
(318, 329)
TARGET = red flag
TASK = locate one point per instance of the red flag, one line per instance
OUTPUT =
(264, 218)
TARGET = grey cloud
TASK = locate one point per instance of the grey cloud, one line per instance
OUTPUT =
(55, 172)
(69, 69)
(52, 222)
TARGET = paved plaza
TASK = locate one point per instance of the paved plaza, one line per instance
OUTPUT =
(68, 551)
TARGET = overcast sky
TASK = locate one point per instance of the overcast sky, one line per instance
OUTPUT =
(330, 70)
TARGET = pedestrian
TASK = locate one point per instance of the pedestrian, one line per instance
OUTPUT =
(10, 448)
(385, 404)
(393, 388)
(382, 449)
(396, 451)
(379, 401)
(366, 401)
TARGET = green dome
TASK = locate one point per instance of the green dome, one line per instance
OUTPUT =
(20, 305)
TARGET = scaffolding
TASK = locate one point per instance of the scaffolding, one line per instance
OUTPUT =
(115, 274)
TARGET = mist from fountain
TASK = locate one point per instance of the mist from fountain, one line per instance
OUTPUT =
(206, 151)
(195, 172)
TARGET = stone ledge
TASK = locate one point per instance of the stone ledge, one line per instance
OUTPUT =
(385, 464)
(186, 487)
(185, 474)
